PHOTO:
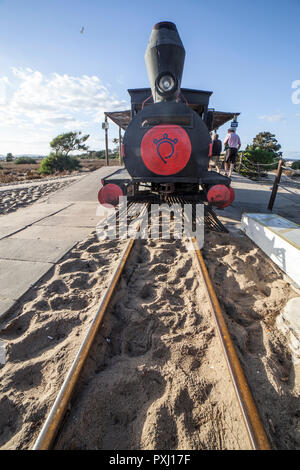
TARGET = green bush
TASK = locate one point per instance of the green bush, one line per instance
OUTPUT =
(58, 162)
(95, 154)
(296, 165)
(24, 160)
(253, 156)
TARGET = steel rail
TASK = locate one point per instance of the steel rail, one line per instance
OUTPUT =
(256, 433)
(59, 408)
(257, 436)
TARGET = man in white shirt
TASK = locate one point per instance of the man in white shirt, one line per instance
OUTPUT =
(233, 142)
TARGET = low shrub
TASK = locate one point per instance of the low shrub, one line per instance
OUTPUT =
(58, 162)
(256, 162)
(24, 160)
(296, 165)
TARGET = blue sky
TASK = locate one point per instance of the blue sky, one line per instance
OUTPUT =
(54, 79)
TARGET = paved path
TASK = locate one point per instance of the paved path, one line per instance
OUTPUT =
(33, 239)
(251, 196)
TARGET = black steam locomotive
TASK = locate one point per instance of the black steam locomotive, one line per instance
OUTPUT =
(167, 144)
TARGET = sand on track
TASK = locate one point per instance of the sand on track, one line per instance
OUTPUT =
(158, 379)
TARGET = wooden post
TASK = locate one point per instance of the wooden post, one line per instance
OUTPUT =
(275, 185)
(240, 164)
(106, 143)
(120, 147)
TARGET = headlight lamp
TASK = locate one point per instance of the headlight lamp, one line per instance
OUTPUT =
(166, 84)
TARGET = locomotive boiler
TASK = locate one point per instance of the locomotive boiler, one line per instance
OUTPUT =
(167, 144)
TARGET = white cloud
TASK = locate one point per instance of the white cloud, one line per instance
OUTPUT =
(4, 83)
(272, 117)
(56, 100)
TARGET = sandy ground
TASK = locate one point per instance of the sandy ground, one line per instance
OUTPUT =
(43, 335)
(12, 199)
(156, 378)
(252, 292)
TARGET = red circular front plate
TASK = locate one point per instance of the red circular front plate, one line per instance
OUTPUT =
(166, 149)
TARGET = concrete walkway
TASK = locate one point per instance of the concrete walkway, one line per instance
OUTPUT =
(252, 196)
(35, 238)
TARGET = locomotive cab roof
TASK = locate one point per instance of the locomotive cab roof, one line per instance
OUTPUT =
(196, 99)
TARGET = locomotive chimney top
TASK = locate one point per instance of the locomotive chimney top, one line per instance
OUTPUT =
(165, 24)
(164, 61)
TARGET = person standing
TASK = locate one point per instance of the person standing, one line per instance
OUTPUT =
(234, 143)
(216, 152)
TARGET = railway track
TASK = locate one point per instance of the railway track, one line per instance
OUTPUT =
(52, 433)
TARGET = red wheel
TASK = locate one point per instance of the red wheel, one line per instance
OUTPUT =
(219, 195)
(108, 196)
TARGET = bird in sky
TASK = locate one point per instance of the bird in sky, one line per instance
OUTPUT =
(82, 29)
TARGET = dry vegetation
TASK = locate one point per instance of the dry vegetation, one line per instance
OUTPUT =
(10, 172)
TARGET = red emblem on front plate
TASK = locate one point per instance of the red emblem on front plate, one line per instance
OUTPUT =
(166, 149)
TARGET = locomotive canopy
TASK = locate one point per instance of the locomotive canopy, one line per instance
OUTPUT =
(167, 142)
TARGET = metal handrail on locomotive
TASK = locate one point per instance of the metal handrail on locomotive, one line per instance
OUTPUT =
(167, 144)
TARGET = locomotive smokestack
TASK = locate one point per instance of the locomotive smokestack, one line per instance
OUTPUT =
(164, 61)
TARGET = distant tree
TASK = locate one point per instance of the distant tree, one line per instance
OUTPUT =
(93, 154)
(65, 143)
(100, 154)
(267, 141)
(9, 157)
(96, 154)
(115, 152)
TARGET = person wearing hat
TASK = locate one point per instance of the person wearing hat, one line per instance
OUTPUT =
(233, 142)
